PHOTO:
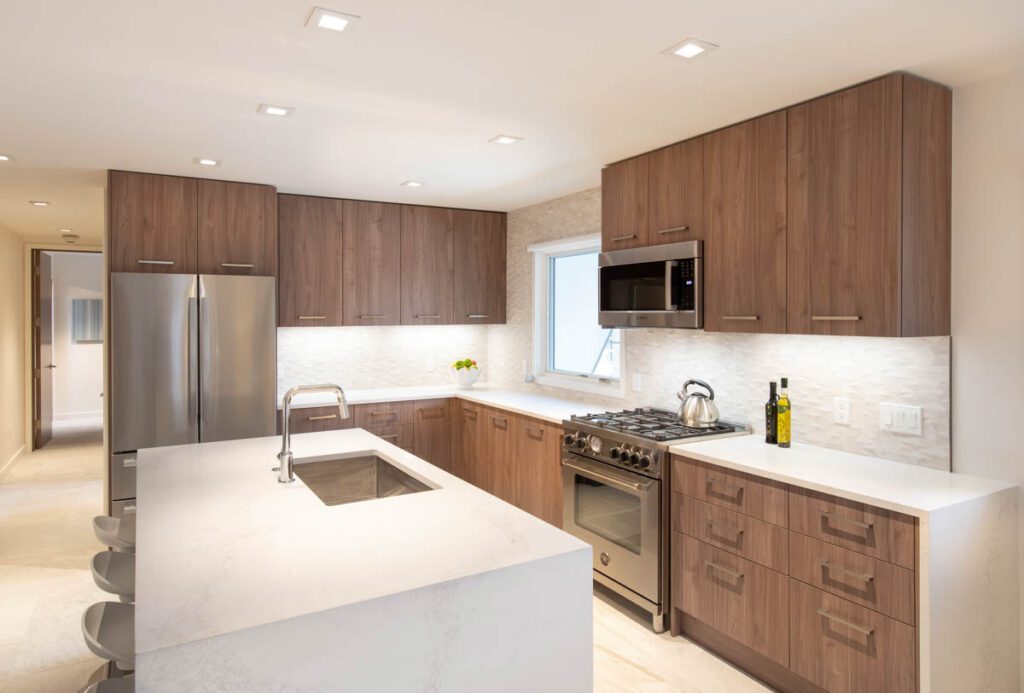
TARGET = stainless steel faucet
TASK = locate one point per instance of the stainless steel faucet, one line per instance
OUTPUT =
(286, 468)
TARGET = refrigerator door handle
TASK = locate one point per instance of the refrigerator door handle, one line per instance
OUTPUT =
(193, 364)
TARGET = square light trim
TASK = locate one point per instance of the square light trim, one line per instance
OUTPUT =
(39, 203)
(505, 139)
(6, 157)
(412, 184)
(205, 162)
(329, 19)
(272, 110)
(690, 48)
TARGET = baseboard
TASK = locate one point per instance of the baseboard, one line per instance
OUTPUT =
(75, 415)
(6, 465)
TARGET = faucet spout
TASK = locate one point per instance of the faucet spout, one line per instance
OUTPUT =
(286, 466)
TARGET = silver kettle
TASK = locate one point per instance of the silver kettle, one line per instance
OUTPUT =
(697, 410)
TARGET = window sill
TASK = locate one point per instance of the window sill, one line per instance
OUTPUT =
(612, 388)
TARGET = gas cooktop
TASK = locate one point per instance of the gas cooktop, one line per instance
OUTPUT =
(659, 425)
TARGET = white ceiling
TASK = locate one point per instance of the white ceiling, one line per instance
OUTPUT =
(415, 89)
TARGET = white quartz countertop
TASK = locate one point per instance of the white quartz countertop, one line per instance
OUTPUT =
(552, 409)
(222, 546)
(895, 486)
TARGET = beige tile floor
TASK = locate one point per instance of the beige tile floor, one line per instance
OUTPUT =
(47, 501)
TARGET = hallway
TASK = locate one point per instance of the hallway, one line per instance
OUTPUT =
(47, 501)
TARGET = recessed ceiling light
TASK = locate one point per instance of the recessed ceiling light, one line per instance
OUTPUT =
(505, 139)
(65, 231)
(329, 19)
(690, 48)
(39, 203)
(206, 162)
(412, 184)
(71, 238)
(6, 157)
(272, 110)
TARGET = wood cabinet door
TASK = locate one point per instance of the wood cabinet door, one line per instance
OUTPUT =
(676, 193)
(745, 251)
(237, 228)
(431, 431)
(499, 449)
(624, 204)
(467, 442)
(372, 233)
(536, 470)
(309, 286)
(427, 257)
(844, 154)
(152, 223)
(479, 248)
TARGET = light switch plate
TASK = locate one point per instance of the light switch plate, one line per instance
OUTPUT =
(900, 418)
(841, 410)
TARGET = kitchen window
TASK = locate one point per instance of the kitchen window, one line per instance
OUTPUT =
(571, 349)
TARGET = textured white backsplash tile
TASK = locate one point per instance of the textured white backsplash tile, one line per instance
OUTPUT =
(867, 370)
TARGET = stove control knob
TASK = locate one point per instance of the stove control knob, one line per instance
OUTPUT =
(581, 441)
(569, 438)
(614, 453)
(645, 462)
(634, 458)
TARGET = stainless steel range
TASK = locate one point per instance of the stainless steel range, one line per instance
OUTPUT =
(612, 466)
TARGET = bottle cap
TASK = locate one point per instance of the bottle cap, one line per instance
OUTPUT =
(785, 382)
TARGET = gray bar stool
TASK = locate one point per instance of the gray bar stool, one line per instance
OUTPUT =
(118, 532)
(109, 631)
(125, 685)
(114, 572)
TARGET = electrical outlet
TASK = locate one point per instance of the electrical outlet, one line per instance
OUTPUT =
(428, 363)
(638, 382)
(841, 410)
(900, 418)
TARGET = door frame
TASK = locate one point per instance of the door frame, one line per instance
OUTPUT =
(29, 331)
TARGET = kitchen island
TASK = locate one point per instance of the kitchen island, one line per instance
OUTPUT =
(243, 583)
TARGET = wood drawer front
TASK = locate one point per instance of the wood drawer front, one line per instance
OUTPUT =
(882, 534)
(384, 414)
(745, 601)
(311, 419)
(761, 542)
(845, 648)
(402, 435)
(867, 581)
(760, 498)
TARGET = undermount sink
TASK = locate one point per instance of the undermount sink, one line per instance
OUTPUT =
(352, 479)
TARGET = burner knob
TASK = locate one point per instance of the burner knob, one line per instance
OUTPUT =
(645, 462)
(614, 452)
(634, 458)
(569, 438)
(581, 442)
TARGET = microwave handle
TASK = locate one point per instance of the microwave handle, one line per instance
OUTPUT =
(670, 267)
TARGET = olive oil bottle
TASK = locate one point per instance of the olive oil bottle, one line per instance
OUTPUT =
(784, 407)
(771, 415)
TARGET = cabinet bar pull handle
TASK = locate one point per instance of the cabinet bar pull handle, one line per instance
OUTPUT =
(740, 317)
(130, 509)
(499, 419)
(735, 487)
(432, 410)
(130, 462)
(470, 411)
(674, 229)
(477, 315)
(155, 262)
(827, 517)
(864, 577)
(312, 317)
(390, 436)
(375, 316)
(622, 238)
(240, 265)
(323, 417)
(864, 630)
(390, 412)
(732, 528)
(836, 318)
(535, 430)
(722, 569)
(421, 317)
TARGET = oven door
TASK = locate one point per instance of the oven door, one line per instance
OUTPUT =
(619, 514)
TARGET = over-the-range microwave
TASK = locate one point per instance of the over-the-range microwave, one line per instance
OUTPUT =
(656, 286)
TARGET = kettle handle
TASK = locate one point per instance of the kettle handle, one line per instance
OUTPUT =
(701, 383)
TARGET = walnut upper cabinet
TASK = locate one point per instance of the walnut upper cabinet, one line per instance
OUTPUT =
(309, 287)
(152, 221)
(676, 193)
(624, 202)
(479, 240)
(237, 228)
(427, 266)
(372, 263)
(869, 210)
(745, 245)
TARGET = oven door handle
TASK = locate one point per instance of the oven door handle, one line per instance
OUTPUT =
(624, 484)
(670, 269)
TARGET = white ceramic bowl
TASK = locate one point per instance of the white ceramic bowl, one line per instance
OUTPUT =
(465, 377)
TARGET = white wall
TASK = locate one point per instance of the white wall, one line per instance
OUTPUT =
(78, 378)
(988, 280)
(12, 345)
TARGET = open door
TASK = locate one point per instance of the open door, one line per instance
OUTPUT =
(42, 357)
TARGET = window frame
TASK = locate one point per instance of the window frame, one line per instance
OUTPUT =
(540, 372)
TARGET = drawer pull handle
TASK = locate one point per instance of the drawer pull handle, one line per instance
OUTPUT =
(500, 420)
(722, 569)
(129, 509)
(467, 410)
(627, 237)
(735, 490)
(238, 265)
(729, 528)
(827, 517)
(747, 318)
(863, 577)
(535, 432)
(323, 417)
(835, 318)
(425, 317)
(155, 262)
(478, 316)
(863, 630)
(390, 436)
(390, 412)
(375, 316)
(432, 413)
(130, 462)
(312, 317)
(674, 229)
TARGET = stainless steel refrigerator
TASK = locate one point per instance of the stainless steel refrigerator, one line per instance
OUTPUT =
(192, 359)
